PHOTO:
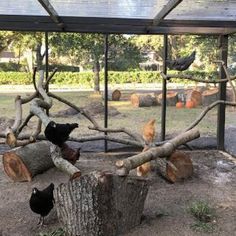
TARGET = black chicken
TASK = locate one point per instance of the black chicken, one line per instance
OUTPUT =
(59, 133)
(182, 63)
(41, 202)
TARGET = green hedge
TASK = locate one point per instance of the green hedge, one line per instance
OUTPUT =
(86, 78)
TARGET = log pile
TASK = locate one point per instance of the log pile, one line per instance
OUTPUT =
(101, 204)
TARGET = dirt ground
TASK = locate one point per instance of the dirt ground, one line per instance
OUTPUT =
(165, 211)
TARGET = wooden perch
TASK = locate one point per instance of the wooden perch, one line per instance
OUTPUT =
(63, 164)
(124, 166)
(23, 163)
(100, 204)
(37, 105)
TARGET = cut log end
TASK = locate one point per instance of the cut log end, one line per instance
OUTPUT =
(75, 175)
(15, 168)
(183, 164)
(143, 100)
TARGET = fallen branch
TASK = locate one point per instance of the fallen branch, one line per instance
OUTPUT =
(124, 166)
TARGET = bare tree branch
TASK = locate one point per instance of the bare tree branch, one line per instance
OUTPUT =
(80, 110)
(27, 119)
(208, 108)
(136, 137)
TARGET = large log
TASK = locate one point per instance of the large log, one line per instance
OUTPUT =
(113, 95)
(143, 100)
(100, 204)
(171, 98)
(194, 96)
(182, 163)
(210, 96)
(23, 163)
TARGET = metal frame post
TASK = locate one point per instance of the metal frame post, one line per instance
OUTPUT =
(164, 89)
(222, 94)
(105, 88)
(46, 62)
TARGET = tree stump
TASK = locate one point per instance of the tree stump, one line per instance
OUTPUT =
(181, 161)
(171, 98)
(210, 96)
(23, 163)
(194, 96)
(99, 204)
(113, 95)
(143, 100)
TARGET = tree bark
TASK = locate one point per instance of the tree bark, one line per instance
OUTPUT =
(23, 163)
(100, 204)
(96, 70)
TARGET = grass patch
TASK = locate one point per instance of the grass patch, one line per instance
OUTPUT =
(204, 216)
(56, 232)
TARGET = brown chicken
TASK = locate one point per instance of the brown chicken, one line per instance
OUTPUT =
(148, 136)
(149, 132)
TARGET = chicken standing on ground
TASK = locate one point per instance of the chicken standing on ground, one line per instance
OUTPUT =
(41, 202)
(149, 133)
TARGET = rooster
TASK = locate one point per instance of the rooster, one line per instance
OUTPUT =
(59, 133)
(148, 136)
(182, 63)
(42, 202)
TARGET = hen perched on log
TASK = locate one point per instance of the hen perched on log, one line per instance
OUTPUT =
(182, 63)
(41, 202)
(59, 133)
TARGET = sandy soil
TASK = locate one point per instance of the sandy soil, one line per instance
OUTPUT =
(166, 205)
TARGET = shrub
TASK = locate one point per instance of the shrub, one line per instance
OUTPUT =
(87, 78)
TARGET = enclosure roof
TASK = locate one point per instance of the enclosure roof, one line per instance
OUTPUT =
(120, 16)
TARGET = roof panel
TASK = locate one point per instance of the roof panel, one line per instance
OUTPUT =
(139, 9)
(204, 10)
(21, 7)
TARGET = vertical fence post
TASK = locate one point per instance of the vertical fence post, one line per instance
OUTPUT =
(222, 94)
(46, 62)
(105, 87)
(164, 82)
